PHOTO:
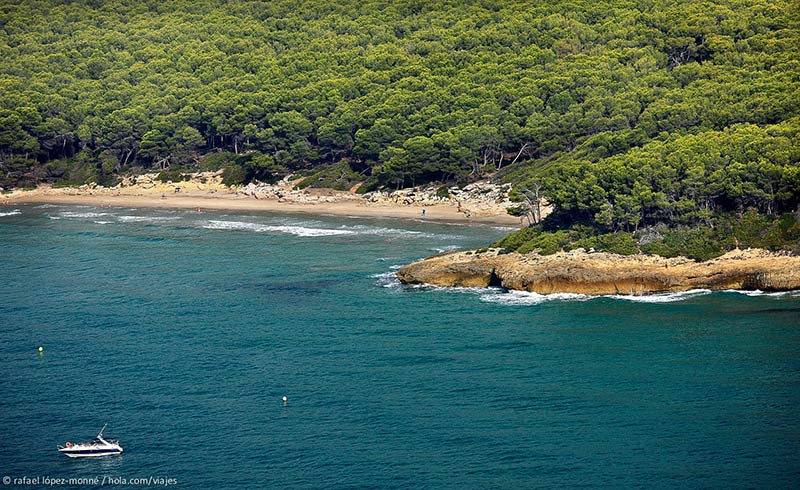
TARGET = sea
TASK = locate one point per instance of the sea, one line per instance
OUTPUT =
(184, 331)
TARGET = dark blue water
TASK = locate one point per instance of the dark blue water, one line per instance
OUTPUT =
(183, 331)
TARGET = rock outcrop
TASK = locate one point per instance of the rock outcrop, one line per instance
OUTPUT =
(602, 273)
(478, 196)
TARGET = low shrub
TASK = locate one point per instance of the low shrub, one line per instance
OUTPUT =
(617, 243)
(172, 175)
(338, 176)
(233, 174)
(216, 161)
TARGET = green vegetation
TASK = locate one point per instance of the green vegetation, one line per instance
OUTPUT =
(173, 174)
(339, 176)
(678, 178)
(625, 116)
(725, 232)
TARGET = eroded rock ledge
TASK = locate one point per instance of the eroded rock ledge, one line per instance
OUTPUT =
(603, 273)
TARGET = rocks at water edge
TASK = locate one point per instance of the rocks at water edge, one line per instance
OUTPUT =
(603, 273)
(482, 195)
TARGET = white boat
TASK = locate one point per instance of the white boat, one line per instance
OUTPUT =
(94, 449)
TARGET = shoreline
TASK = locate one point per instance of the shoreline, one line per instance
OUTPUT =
(330, 204)
(602, 274)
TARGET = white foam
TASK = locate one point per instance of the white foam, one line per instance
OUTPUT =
(146, 219)
(396, 232)
(301, 231)
(103, 222)
(373, 230)
(387, 280)
(446, 248)
(72, 214)
(758, 292)
(528, 298)
(662, 297)
(11, 213)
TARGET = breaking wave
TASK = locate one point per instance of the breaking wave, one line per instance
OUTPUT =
(527, 298)
(759, 293)
(77, 215)
(387, 280)
(446, 248)
(662, 297)
(146, 219)
(301, 231)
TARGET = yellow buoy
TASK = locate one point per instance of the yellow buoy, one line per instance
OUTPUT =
(41, 349)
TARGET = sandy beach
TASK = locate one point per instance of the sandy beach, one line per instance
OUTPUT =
(218, 197)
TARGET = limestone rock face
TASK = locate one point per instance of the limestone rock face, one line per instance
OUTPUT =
(467, 273)
(603, 273)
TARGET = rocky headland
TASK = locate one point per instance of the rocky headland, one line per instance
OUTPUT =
(604, 274)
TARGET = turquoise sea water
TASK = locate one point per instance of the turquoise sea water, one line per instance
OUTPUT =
(183, 330)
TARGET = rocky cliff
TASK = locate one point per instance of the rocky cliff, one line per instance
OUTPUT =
(602, 273)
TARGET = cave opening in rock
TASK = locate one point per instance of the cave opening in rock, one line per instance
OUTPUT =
(494, 281)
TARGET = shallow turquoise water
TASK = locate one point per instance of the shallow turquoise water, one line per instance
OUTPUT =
(183, 331)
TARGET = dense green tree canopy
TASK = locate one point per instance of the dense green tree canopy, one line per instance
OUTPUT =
(627, 113)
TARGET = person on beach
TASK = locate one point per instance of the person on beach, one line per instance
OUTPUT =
(423, 212)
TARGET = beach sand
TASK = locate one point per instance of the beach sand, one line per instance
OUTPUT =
(221, 198)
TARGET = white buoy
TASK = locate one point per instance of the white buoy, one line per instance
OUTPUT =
(285, 400)
(41, 349)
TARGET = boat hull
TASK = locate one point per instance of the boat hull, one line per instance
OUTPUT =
(98, 448)
(90, 453)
